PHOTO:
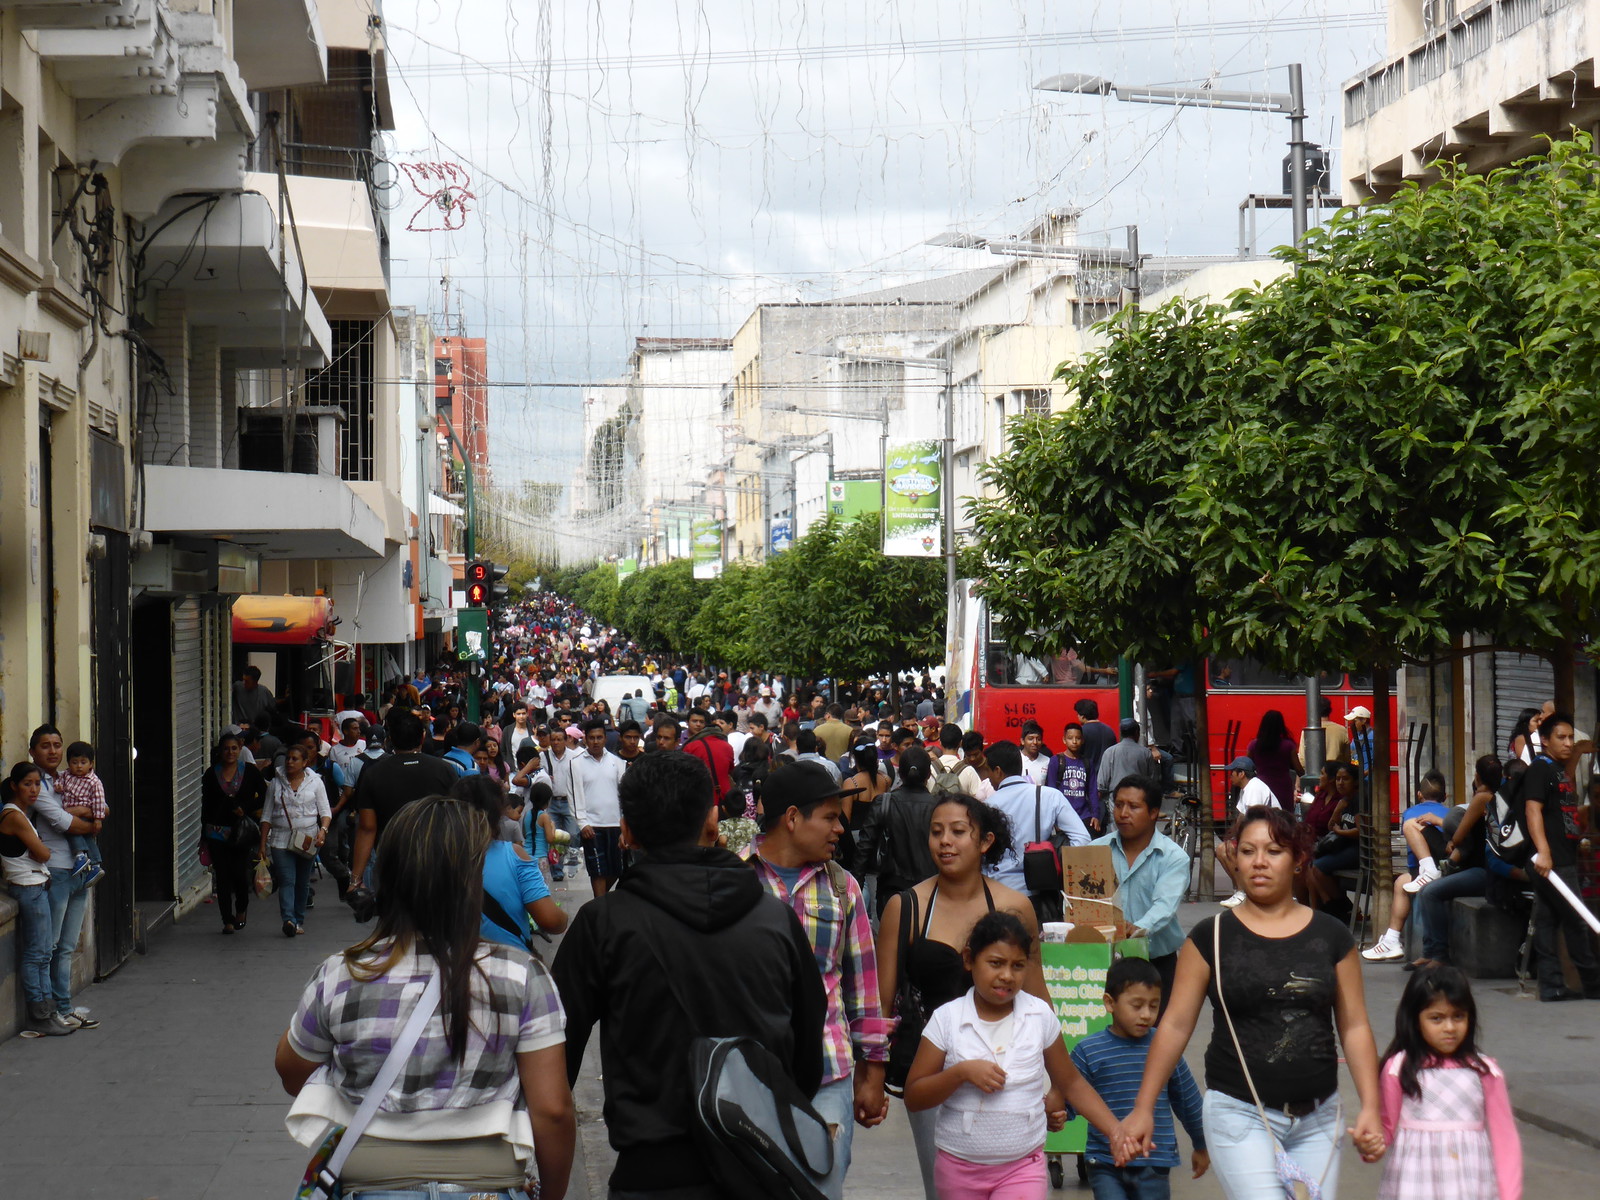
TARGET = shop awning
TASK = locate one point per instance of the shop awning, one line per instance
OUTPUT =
(281, 620)
(438, 506)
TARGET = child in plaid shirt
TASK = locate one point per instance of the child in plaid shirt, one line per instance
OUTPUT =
(80, 787)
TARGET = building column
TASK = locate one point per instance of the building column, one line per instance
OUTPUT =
(168, 443)
(21, 551)
(70, 471)
(205, 397)
(228, 411)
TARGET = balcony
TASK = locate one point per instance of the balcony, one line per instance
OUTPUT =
(225, 251)
(341, 233)
(274, 514)
(279, 43)
(1481, 86)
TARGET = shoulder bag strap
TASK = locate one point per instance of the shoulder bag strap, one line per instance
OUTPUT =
(988, 896)
(1222, 1003)
(908, 921)
(427, 1005)
(1038, 829)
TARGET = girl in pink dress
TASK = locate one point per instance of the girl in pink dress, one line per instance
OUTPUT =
(1446, 1115)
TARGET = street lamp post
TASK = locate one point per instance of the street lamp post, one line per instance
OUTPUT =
(1292, 104)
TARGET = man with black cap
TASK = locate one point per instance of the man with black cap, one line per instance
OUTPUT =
(686, 945)
(802, 819)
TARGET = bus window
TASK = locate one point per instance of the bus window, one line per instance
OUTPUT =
(1009, 669)
(1248, 674)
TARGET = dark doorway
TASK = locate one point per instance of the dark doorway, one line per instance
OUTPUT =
(113, 905)
(152, 736)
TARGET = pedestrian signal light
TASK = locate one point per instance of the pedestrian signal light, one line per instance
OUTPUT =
(477, 595)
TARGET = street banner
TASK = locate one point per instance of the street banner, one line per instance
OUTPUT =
(707, 539)
(913, 504)
(1075, 977)
(626, 567)
(782, 534)
(852, 498)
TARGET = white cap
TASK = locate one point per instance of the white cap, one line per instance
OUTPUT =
(1360, 710)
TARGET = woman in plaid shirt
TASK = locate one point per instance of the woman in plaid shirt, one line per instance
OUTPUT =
(483, 1102)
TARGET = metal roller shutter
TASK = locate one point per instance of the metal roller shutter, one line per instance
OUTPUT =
(190, 704)
(1520, 681)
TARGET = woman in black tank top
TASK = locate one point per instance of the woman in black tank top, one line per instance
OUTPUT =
(25, 864)
(964, 835)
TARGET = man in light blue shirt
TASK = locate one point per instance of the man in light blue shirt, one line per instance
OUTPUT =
(1036, 813)
(1152, 873)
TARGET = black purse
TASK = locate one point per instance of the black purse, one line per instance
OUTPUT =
(913, 1019)
(245, 834)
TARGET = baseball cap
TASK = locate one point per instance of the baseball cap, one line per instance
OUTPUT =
(1360, 710)
(796, 785)
(1243, 763)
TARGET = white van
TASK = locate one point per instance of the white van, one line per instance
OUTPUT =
(612, 688)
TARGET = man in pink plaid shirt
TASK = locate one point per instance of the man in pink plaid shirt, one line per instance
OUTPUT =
(802, 821)
(84, 796)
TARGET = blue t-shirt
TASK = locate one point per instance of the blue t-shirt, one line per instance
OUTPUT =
(1425, 809)
(463, 762)
(515, 884)
(1114, 1067)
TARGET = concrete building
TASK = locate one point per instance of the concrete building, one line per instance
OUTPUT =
(678, 396)
(1480, 83)
(199, 381)
(817, 386)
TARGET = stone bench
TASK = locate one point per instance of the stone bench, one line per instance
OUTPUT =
(1484, 940)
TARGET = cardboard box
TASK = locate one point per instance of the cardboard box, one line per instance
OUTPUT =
(1089, 884)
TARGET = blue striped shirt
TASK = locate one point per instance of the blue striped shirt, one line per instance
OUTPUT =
(1114, 1067)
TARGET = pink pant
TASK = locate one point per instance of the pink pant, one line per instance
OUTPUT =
(958, 1179)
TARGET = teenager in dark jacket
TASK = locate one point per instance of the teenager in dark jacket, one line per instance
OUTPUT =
(688, 944)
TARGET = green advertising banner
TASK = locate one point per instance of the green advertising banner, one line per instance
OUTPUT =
(852, 498)
(626, 567)
(1075, 977)
(706, 537)
(913, 506)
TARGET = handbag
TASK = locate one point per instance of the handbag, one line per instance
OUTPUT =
(1041, 861)
(1297, 1185)
(912, 1020)
(245, 834)
(321, 1180)
(304, 844)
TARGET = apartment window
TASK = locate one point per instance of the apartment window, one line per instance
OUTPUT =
(1030, 402)
(347, 382)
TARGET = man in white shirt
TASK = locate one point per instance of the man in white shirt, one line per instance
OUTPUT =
(1035, 762)
(562, 785)
(1252, 794)
(596, 775)
(1019, 799)
(728, 722)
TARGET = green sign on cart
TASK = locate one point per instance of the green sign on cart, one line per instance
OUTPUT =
(1075, 977)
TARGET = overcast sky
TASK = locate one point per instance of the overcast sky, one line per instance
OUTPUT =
(655, 167)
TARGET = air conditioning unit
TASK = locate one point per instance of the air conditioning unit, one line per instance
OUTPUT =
(172, 569)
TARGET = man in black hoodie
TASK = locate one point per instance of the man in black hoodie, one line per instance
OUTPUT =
(688, 944)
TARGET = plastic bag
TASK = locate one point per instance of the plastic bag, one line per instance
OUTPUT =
(264, 882)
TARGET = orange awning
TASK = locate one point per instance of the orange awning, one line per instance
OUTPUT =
(281, 620)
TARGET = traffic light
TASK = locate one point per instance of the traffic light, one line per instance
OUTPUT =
(478, 586)
(484, 589)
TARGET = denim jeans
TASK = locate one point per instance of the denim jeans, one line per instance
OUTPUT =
(1129, 1183)
(836, 1102)
(293, 875)
(35, 938)
(1243, 1156)
(1432, 908)
(69, 897)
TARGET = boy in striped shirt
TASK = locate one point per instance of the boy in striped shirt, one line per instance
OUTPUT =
(1113, 1063)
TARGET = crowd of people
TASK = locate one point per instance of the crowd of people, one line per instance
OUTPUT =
(853, 884)
(847, 880)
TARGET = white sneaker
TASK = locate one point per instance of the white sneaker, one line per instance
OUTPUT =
(1383, 950)
(1234, 900)
(1423, 879)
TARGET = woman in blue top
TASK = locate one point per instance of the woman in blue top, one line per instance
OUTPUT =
(513, 887)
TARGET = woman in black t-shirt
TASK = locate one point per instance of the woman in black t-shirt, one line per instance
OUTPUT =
(1289, 977)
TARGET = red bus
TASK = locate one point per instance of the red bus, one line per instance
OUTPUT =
(999, 689)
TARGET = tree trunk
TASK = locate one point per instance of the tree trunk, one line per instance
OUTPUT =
(1564, 661)
(1382, 739)
(1208, 820)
